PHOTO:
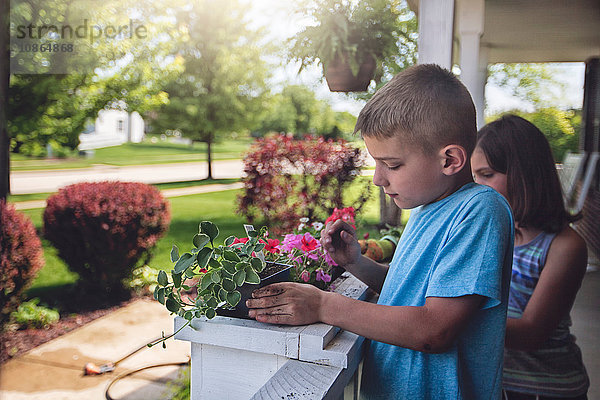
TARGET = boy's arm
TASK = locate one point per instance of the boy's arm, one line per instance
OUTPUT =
(339, 240)
(431, 328)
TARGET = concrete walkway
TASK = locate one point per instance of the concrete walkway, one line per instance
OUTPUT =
(54, 370)
(47, 181)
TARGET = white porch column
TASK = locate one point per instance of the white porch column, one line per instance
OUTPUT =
(473, 62)
(436, 25)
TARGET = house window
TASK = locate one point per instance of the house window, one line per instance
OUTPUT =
(120, 126)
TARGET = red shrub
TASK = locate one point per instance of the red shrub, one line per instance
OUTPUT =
(102, 230)
(21, 257)
(287, 179)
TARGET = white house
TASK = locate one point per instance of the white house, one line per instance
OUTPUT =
(112, 128)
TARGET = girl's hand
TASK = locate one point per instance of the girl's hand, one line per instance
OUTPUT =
(339, 240)
(286, 303)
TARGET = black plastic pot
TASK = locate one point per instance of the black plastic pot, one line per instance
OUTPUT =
(241, 311)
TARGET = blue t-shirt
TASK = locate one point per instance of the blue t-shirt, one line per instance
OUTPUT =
(457, 246)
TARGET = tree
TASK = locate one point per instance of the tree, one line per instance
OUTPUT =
(50, 104)
(534, 84)
(560, 127)
(223, 82)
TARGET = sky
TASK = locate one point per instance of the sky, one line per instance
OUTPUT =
(277, 16)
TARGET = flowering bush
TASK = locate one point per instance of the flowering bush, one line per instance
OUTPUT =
(102, 230)
(21, 257)
(287, 179)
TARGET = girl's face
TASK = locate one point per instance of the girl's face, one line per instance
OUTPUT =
(485, 175)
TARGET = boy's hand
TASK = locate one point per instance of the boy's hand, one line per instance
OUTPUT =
(339, 240)
(286, 303)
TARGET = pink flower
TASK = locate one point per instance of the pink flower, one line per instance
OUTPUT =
(291, 242)
(329, 260)
(305, 276)
(323, 276)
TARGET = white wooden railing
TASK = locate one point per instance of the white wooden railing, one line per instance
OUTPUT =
(237, 359)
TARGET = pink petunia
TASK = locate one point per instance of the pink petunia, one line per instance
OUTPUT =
(291, 242)
(323, 276)
(305, 276)
(329, 260)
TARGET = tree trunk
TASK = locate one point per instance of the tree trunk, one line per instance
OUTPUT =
(4, 81)
(209, 158)
(389, 212)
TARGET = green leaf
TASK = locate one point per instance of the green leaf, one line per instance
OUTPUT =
(212, 302)
(259, 247)
(230, 255)
(216, 276)
(206, 281)
(176, 279)
(241, 265)
(162, 278)
(185, 261)
(189, 273)
(210, 229)
(200, 240)
(229, 266)
(204, 257)
(229, 241)
(172, 305)
(210, 313)
(228, 285)
(252, 234)
(233, 298)
(213, 262)
(257, 264)
(223, 295)
(185, 287)
(188, 315)
(239, 277)
(174, 254)
(161, 296)
(155, 294)
(252, 276)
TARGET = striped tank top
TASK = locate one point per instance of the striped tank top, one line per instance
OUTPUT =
(555, 369)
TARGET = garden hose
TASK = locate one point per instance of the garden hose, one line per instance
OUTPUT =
(126, 374)
(93, 369)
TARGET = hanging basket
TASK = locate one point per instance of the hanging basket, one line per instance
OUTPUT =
(340, 78)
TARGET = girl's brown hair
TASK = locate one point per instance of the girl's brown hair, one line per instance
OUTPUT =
(517, 148)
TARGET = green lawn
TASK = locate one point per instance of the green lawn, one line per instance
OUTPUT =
(138, 154)
(161, 186)
(186, 214)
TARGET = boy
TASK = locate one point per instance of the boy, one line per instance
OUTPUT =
(437, 331)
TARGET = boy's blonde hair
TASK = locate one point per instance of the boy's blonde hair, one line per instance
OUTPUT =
(425, 105)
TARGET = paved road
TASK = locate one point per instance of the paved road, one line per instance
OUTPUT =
(46, 181)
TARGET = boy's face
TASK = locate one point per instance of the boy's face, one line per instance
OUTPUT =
(410, 177)
(485, 175)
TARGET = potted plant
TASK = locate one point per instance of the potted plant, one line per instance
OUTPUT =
(210, 279)
(350, 40)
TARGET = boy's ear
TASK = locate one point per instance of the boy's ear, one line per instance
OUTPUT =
(454, 159)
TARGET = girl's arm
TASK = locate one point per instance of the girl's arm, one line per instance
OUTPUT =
(553, 295)
(431, 328)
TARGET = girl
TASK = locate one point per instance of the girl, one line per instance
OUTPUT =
(541, 359)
